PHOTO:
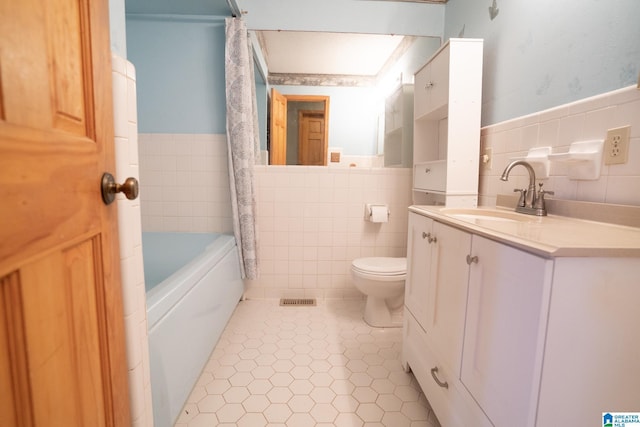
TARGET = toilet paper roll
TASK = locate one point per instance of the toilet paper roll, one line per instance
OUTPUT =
(379, 213)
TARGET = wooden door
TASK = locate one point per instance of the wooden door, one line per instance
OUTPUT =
(62, 357)
(312, 148)
(278, 129)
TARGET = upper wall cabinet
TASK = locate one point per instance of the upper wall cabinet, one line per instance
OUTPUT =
(446, 127)
(433, 84)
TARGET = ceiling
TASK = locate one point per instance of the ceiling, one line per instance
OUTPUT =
(295, 52)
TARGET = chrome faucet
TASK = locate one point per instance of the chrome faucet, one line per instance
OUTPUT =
(530, 202)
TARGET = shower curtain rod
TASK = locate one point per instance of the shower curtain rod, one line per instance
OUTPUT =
(235, 10)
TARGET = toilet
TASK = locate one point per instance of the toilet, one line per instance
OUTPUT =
(381, 279)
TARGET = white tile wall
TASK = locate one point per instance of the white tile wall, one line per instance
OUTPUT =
(135, 309)
(311, 226)
(310, 219)
(558, 127)
(184, 183)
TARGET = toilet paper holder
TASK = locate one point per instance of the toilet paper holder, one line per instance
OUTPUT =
(368, 210)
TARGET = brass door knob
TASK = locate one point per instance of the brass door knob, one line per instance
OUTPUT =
(110, 188)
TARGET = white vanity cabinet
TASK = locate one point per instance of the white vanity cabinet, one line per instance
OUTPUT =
(498, 334)
(508, 290)
(436, 285)
(446, 125)
(592, 347)
(435, 301)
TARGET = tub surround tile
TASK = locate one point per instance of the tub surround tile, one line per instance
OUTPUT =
(127, 267)
(308, 215)
(184, 183)
(126, 156)
(120, 101)
(136, 381)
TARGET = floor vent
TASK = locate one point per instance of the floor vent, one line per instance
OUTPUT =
(298, 301)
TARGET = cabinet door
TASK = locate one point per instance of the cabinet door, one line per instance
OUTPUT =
(420, 101)
(418, 266)
(432, 85)
(447, 293)
(439, 80)
(436, 285)
(502, 329)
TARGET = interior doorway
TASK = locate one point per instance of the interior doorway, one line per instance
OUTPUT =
(311, 147)
(298, 131)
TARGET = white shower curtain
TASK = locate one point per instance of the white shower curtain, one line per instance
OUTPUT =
(242, 140)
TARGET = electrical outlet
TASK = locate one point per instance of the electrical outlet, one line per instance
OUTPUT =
(616, 147)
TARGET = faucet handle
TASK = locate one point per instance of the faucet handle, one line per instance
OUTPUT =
(542, 192)
(523, 195)
(540, 199)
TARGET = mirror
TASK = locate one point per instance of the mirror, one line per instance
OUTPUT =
(355, 71)
(299, 129)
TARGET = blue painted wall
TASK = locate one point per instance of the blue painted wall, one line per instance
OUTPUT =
(179, 73)
(180, 80)
(540, 54)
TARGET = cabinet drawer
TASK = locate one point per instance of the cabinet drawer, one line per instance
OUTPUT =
(430, 176)
(452, 405)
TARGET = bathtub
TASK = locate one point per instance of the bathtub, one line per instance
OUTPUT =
(193, 285)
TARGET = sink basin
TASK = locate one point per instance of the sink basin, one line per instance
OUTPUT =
(475, 215)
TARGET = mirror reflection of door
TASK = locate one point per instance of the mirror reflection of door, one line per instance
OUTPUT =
(304, 140)
(278, 129)
(311, 147)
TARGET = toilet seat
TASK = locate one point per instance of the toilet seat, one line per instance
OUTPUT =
(380, 266)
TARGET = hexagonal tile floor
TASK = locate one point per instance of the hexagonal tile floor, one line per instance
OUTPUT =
(306, 366)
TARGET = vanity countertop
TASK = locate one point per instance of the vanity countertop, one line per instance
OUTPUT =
(548, 236)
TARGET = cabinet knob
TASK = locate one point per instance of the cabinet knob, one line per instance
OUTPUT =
(442, 384)
(472, 259)
(428, 85)
(429, 237)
